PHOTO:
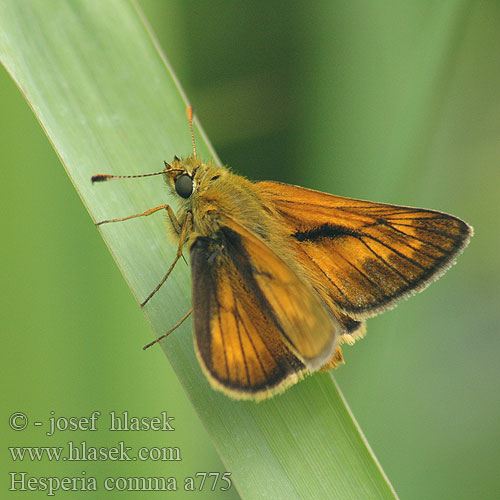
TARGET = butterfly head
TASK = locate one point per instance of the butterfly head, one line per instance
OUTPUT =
(190, 175)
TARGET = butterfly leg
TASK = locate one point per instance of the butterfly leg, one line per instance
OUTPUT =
(161, 337)
(169, 210)
(182, 239)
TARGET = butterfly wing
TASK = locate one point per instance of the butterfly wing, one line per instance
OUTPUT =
(366, 255)
(258, 327)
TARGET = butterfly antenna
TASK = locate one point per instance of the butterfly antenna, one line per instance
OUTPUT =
(190, 113)
(109, 177)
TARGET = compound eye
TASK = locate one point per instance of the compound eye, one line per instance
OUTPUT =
(184, 186)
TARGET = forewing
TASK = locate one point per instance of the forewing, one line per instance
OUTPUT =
(368, 255)
(257, 325)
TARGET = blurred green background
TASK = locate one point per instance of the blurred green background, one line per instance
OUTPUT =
(388, 101)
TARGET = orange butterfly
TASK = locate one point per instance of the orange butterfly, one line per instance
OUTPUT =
(282, 275)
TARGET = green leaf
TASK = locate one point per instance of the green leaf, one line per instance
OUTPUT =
(109, 103)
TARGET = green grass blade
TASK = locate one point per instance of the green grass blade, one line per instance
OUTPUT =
(108, 103)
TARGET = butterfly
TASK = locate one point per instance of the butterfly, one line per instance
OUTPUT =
(282, 275)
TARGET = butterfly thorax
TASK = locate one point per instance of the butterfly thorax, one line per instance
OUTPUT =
(219, 194)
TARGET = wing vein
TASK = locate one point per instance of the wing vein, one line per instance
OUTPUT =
(224, 350)
(391, 267)
(406, 243)
(409, 259)
(433, 245)
(429, 230)
(329, 279)
(367, 278)
(238, 317)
